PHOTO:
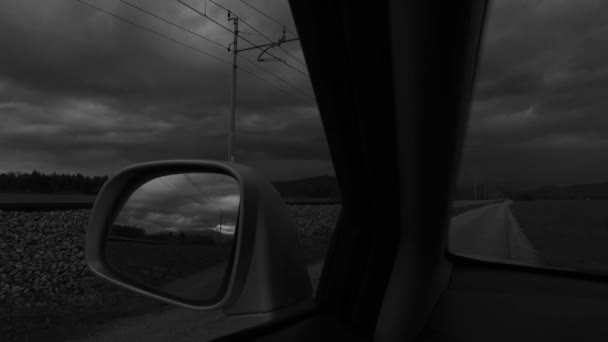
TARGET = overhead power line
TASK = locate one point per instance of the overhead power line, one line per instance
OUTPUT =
(202, 52)
(231, 31)
(251, 33)
(198, 35)
(205, 15)
(229, 11)
(207, 199)
(172, 23)
(245, 39)
(167, 180)
(263, 35)
(235, 54)
(267, 16)
(308, 97)
(294, 57)
(270, 40)
(263, 47)
(155, 32)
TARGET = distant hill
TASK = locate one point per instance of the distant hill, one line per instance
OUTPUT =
(320, 187)
(579, 191)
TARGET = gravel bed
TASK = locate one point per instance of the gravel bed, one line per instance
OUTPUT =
(42, 254)
(314, 224)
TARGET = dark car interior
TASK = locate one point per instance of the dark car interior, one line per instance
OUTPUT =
(393, 81)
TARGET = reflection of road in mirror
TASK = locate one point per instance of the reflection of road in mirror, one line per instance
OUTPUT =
(199, 284)
(175, 234)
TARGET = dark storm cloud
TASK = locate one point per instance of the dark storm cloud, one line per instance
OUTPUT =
(81, 91)
(541, 99)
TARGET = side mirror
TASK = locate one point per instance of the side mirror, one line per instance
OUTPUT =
(199, 234)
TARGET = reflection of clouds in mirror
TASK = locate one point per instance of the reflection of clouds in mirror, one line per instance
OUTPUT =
(194, 202)
(225, 228)
(229, 201)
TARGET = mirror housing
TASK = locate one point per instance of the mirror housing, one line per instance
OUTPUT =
(268, 272)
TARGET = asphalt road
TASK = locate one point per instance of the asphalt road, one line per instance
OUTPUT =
(491, 232)
(182, 325)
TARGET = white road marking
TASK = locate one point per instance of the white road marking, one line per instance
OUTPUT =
(491, 232)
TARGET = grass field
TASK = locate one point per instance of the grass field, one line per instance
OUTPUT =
(567, 234)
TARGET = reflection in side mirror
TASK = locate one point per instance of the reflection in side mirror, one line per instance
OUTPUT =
(175, 236)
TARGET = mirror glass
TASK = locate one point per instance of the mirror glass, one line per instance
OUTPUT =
(175, 235)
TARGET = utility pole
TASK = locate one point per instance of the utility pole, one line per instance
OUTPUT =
(232, 123)
(476, 189)
(235, 51)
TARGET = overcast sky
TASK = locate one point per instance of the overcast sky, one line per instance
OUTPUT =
(540, 111)
(81, 91)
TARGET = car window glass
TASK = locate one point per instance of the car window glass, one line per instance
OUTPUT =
(533, 183)
(90, 87)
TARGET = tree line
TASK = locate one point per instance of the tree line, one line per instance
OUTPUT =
(37, 182)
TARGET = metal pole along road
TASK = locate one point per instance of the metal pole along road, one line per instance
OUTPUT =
(264, 48)
(233, 97)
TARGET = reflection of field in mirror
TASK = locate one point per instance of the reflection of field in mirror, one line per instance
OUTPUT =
(162, 265)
